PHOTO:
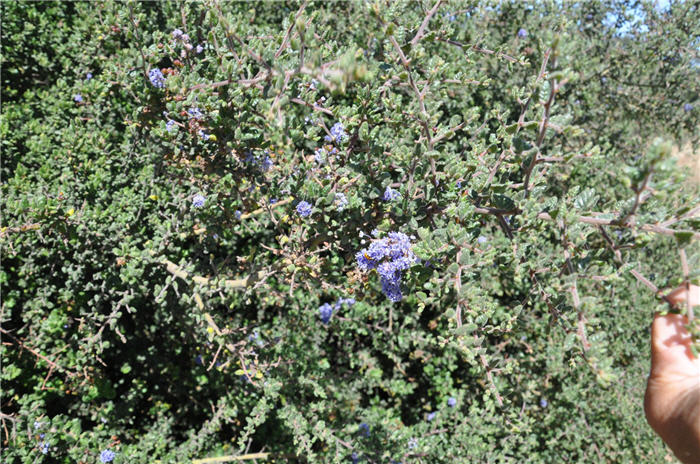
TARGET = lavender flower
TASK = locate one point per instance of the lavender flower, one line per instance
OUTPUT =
(37, 425)
(107, 456)
(195, 113)
(451, 402)
(431, 416)
(320, 156)
(687, 107)
(355, 458)
(203, 134)
(341, 201)
(482, 239)
(198, 201)
(237, 214)
(88, 76)
(543, 403)
(390, 194)
(364, 429)
(413, 443)
(304, 208)
(78, 98)
(389, 256)
(343, 301)
(337, 133)
(157, 78)
(522, 33)
(44, 447)
(177, 33)
(170, 125)
(267, 163)
(199, 49)
(326, 311)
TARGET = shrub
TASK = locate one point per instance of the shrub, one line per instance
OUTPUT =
(339, 232)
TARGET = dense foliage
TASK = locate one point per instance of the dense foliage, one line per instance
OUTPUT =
(340, 232)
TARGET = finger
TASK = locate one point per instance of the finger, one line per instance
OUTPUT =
(681, 294)
(670, 346)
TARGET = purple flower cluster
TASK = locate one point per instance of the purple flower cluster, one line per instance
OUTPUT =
(170, 125)
(304, 208)
(522, 33)
(157, 78)
(321, 153)
(180, 36)
(198, 201)
(337, 134)
(452, 402)
(107, 456)
(390, 256)
(265, 164)
(687, 107)
(326, 310)
(78, 98)
(364, 428)
(390, 194)
(341, 201)
(195, 113)
(44, 447)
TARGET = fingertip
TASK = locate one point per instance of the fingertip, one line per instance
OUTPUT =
(681, 294)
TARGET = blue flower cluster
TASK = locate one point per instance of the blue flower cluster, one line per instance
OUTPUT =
(77, 98)
(195, 113)
(170, 125)
(452, 402)
(687, 107)
(198, 201)
(522, 33)
(337, 134)
(264, 164)
(304, 208)
(157, 78)
(390, 256)
(326, 310)
(364, 429)
(341, 201)
(44, 447)
(390, 194)
(107, 456)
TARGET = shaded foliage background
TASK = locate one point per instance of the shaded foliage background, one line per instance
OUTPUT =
(520, 137)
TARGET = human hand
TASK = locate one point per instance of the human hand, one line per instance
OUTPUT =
(672, 399)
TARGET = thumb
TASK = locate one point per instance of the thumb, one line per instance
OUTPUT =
(670, 341)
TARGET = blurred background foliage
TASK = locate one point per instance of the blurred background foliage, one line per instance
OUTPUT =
(525, 141)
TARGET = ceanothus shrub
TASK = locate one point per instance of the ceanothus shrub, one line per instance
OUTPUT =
(340, 232)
